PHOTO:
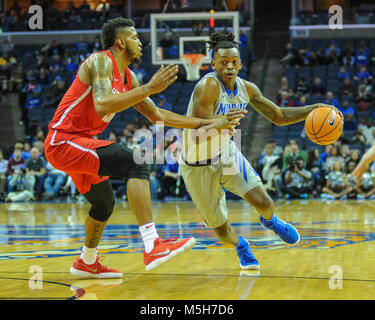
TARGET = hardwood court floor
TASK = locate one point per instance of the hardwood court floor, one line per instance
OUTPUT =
(336, 237)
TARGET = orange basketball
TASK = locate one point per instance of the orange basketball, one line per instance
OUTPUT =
(324, 125)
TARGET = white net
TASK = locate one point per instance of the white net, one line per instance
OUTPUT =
(192, 64)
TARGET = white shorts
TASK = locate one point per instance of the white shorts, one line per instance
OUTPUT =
(206, 184)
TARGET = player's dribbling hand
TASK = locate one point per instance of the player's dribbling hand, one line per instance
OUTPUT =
(163, 78)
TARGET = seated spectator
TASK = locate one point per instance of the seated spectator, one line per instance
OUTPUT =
(366, 188)
(21, 186)
(366, 127)
(301, 87)
(17, 162)
(367, 83)
(56, 66)
(96, 45)
(290, 55)
(284, 87)
(140, 73)
(55, 93)
(7, 59)
(53, 181)
(366, 49)
(331, 100)
(362, 74)
(332, 53)
(358, 139)
(41, 61)
(270, 166)
(297, 180)
(43, 77)
(350, 124)
(3, 177)
(285, 101)
(35, 167)
(337, 185)
(17, 78)
(324, 155)
(347, 89)
(348, 59)
(53, 48)
(333, 157)
(34, 101)
(82, 45)
(343, 74)
(302, 102)
(318, 89)
(163, 103)
(346, 108)
(315, 165)
(361, 58)
(31, 86)
(293, 155)
(364, 98)
(354, 156)
(171, 177)
(69, 184)
(24, 154)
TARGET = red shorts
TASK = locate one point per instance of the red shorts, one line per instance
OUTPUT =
(75, 155)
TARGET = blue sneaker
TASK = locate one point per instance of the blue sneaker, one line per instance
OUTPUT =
(284, 230)
(247, 259)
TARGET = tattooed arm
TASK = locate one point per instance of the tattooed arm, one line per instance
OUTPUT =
(98, 69)
(273, 113)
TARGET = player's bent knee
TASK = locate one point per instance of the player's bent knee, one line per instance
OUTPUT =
(102, 211)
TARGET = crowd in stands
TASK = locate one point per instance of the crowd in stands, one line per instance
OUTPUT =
(293, 173)
(86, 17)
(339, 73)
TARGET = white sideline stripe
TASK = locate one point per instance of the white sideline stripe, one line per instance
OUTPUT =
(71, 107)
(52, 143)
(82, 148)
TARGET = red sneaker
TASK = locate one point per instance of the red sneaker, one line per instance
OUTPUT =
(95, 270)
(165, 250)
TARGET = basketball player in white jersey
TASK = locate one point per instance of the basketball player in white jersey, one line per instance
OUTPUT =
(209, 166)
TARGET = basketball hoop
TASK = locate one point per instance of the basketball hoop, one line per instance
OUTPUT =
(192, 63)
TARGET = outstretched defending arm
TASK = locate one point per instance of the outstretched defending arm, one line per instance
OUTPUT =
(100, 71)
(273, 113)
(148, 108)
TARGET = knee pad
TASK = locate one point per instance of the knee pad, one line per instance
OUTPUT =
(102, 201)
(102, 210)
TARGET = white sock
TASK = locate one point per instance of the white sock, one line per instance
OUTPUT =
(88, 255)
(149, 234)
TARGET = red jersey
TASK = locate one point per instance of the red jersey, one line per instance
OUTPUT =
(76, 112)
(70, 145)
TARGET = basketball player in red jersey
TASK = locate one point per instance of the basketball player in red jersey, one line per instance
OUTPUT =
(104, 85)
